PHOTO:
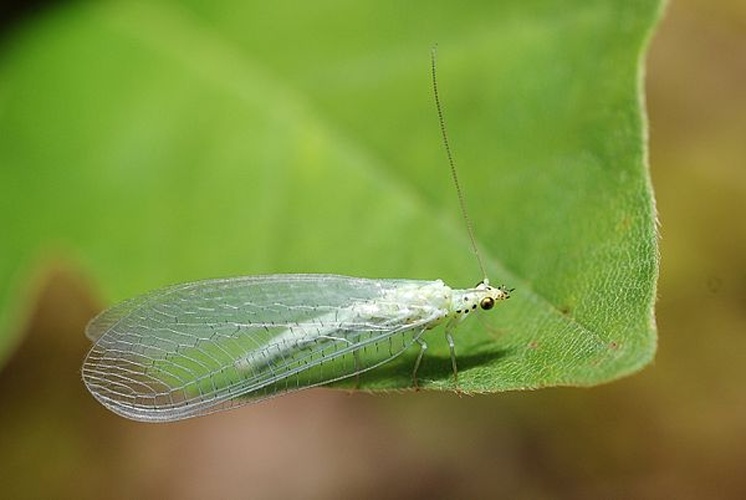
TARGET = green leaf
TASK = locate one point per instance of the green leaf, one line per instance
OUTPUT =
(148, 144)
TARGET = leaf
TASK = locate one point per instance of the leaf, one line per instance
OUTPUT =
(148, 144)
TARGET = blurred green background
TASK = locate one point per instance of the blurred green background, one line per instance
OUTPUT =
(677, 429)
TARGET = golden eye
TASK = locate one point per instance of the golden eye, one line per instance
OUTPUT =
(487, 303)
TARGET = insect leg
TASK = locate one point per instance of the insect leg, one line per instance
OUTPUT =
(356, 357)
(423, 348)
(452, 347)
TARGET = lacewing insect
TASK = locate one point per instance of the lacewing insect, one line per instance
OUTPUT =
(197, 348)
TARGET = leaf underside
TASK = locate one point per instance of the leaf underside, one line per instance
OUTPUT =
(149, 144)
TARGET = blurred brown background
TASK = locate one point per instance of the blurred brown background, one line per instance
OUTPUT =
(676, 430)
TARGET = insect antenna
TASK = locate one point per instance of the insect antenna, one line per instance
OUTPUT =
(452, 164)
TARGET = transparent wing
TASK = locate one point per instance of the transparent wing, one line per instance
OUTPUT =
(200, 347)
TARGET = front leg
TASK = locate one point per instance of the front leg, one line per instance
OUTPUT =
(452, 346)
